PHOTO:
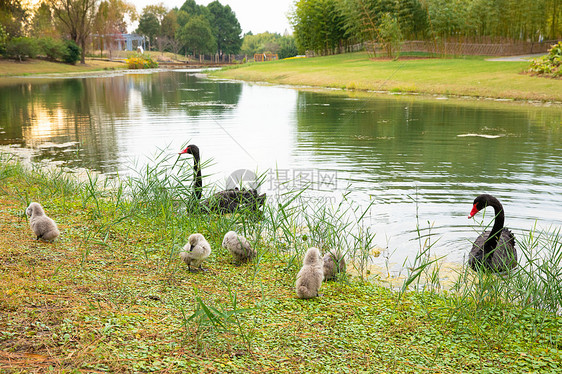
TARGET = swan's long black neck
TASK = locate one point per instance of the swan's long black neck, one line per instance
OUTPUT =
(198, 180)
(495, 234)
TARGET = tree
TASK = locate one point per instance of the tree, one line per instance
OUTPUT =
(555, 18)
(110, 19)
(197, 35)
(359, 20)
(260, 43)
(318, 25)
(100, 25)
(168, 30)
(13, 17)
(192, 9)
(287, 47)
(159, 10)
(169, 24)
(3, 40)
(389, 34)
(284, 46)
(444, 18)
(149, 26)
(43, 23)
(226, 28)
(515, 19)
(76, 19)
(411, 17)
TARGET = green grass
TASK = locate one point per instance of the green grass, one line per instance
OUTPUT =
(473, 77)
(113, 296)
(34, 67)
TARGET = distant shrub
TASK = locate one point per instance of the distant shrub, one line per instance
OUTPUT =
(22, 48)
(73, 52)
(550, 64)
(141, 61)
(53, 49)
(288, 47)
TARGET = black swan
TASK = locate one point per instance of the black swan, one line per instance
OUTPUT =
(227, 201)
(493, 250)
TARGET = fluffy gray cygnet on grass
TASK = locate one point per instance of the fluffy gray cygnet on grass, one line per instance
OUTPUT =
(239, 247)
(332, 266)
(195, 251)
(44, 227)
(309, 278)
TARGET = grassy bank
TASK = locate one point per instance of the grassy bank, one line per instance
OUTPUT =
(474, 77)
(112, 295)
(36, 67)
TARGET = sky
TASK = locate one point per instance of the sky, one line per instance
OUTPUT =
(256, 16)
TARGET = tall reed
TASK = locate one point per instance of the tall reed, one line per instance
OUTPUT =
(497, 305)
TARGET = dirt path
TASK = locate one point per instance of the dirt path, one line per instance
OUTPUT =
(516, 58)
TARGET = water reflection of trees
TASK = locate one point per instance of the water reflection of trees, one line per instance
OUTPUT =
(86, 113)
(64, 111)
(398, 137)
(186, 91)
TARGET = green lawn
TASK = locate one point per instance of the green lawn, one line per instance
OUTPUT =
(474, 77)
(35, 67)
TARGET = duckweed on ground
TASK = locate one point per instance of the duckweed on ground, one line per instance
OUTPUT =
(112, 295)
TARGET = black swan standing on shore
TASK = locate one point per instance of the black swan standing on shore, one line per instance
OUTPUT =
(493, 250)
(226, 201)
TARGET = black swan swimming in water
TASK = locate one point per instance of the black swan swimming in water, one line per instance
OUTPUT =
(493, 250)
(226, 201)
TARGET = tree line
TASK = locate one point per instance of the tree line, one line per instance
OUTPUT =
(327, 26)
(191, 29)
(56, 22)
(197, 29)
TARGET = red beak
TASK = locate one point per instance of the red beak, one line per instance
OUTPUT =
(184, 151)
(473, 211)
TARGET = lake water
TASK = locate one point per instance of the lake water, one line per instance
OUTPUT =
(418, 161)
